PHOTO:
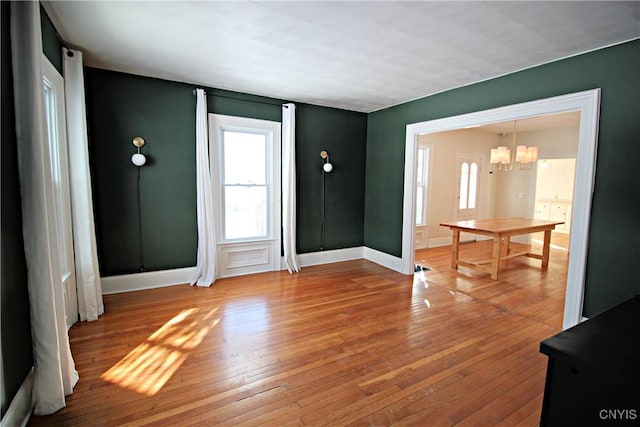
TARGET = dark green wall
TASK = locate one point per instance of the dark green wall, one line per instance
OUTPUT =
(121, 106)
(15, 325)
(615, 219)
(51, 45)
(342, 134)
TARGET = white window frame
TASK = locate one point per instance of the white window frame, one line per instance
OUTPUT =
(268, 184)
(253, 254)
(56, 125)
(424, 151)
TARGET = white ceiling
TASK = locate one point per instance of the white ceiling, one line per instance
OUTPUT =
(361, 56)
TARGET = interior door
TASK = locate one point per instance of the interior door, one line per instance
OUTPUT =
(468, 172)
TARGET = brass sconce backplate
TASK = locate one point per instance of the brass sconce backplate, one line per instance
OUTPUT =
(138, 141)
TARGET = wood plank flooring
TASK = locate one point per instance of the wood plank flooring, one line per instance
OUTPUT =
(342, 344)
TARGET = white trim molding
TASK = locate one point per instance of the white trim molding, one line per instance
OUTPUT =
(330, 256)
(383, 259)
(181, 276)
(21, 406)
(148, 280)
(588, 104)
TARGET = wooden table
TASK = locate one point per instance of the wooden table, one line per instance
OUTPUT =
(499, 229)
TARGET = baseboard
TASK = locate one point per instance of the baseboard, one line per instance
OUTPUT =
(439, 241)
(328, 257)
(148, 280)
(21, 406)
(179, 276)
(383, 259)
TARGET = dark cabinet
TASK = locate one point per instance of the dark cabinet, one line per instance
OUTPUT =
(593, 372)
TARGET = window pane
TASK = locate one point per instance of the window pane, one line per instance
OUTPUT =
(245, 157)
(245, 212)
(60, 212)
(464, 185)
(420, 171)
(473, 185)
(419, 205)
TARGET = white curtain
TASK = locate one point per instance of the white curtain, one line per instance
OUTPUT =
(90, 304)
(206, 269)
(55, 374)
(289, 186)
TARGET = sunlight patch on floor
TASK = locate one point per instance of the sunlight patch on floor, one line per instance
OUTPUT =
(148, 367)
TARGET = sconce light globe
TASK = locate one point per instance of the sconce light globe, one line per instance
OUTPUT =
(138, 159)
(327, 167)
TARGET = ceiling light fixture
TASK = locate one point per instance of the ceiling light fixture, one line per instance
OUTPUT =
(524, 156)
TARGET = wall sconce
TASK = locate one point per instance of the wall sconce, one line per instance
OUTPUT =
(327, 166)
(138, 159)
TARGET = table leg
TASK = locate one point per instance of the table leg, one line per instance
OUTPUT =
(545, 249)
(495, 263)
(455, 247)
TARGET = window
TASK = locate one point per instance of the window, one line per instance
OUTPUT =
(60, 210)
(468, 185)
(421, 185)
(245, 185)
(56, 133)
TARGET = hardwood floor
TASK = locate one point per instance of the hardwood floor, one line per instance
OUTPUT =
(342, 344)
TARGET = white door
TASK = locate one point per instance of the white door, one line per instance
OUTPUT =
(245, 176)
(468, 172)
(57, 135)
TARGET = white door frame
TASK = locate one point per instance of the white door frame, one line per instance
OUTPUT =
(588, 104)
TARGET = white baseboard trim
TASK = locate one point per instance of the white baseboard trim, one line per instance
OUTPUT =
(440, 241)
(148, 280)
(21, 406)
(383, 259)
(180, 276)
(329, 257)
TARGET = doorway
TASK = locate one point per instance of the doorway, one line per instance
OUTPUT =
(587, 104)
(554, 198)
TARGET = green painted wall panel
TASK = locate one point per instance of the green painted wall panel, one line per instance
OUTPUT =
(615, 224)
(119, 108)
(342, 134)
(51, 45)
(16, 357)
(122, 106)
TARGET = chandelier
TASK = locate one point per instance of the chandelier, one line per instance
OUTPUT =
(524, 157)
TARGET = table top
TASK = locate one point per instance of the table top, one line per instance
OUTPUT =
(502, 225)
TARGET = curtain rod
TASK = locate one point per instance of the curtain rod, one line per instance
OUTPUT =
(246, 100)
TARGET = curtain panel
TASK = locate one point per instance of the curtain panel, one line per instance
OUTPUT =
(88, 284)
(206, 269)
(289, 187)
(55, 373)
